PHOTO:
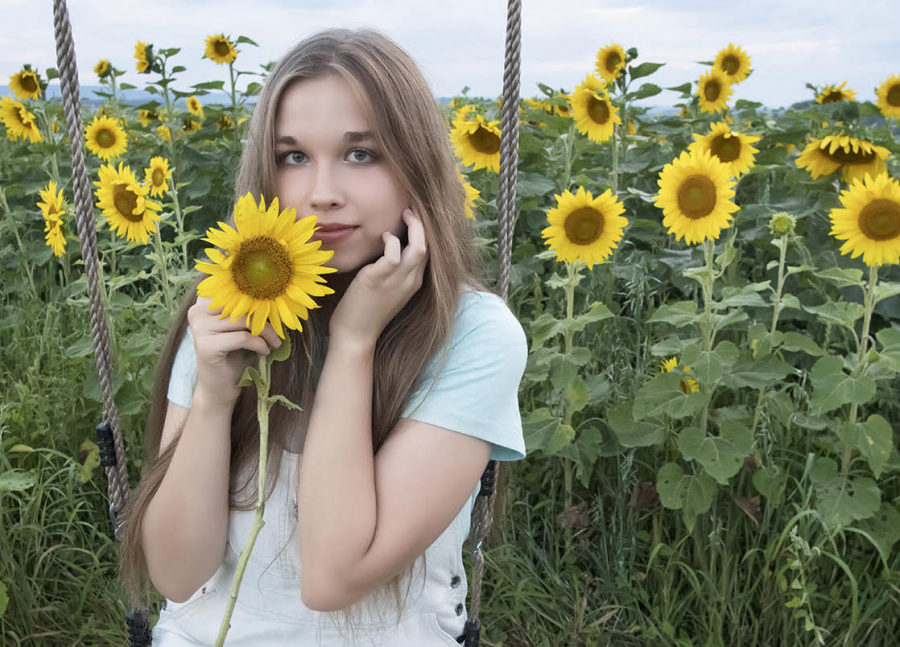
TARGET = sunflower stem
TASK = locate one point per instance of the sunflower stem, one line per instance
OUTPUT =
(567, 416)
(862, 364)
(237, 137)
(614, 184)
(163, 273)
(12, 220)
(706, 324)
(570, 145)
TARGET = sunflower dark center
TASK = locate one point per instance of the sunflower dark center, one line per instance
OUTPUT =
(221, 48)
(846, 155)
(833, 97)
(126, 202)
(685, 386)
(262, 268)
(105, 138)
(598, 109)
(712, 90)
(22, 116)
(880, 219)
(584, 226)
(697, 197)
(485, 141)
(726, 148)
(731, 64)
(613, 60)
(52, 210)
(158, 177)
(29, 84)
(893, 95)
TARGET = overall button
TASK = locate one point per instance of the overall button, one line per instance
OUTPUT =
(455, 581)
(459, 609)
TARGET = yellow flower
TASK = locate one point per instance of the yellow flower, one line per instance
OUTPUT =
(105, 138)
(25, 84)
(188, 125)
(164, 132)
(124, 204)
(889, 97)
(563, 111)
(224, 123)
(220, 49)
(714, 91)
(869, 220)
(476, 142)
(688, 385)
(695, 195)
(268, 268)
(610, 62)
(856, 157)
(19, 121)
(835, 93)
(592, 110)
(140, 55)
(52, 209)
(471, 195)
(732, 149)
(147, 116)
(584, 228)
(632, 129)
(733, 62)
(157, 175)
(101, 68)
(194, 107)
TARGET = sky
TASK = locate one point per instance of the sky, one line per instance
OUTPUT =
(461, 43)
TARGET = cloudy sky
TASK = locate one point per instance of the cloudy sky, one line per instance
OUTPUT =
(461, 43)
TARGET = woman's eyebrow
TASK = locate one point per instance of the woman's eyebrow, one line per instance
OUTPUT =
(352, 136)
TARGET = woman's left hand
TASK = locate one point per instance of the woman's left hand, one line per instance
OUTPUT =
(381, 289)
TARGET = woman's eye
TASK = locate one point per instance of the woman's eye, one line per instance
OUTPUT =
(367, 155)
(285, 157)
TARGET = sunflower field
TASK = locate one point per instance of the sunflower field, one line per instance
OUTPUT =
(711, 295)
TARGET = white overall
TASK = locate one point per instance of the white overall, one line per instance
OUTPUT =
(269, 610)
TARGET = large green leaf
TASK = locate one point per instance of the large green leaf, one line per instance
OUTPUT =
(691, 494)
(884, 527)
(757, 373)
(889, 338)
(545, 432)
(721, 456)
(842, 278)
(841, 500)
(832, 388)
(708, 366)
(664, 395)
(873, 438)
(17, 480)
(681, 313)
(632, 433)
(842, 313)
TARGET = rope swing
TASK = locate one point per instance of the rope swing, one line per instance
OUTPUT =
(109, 432)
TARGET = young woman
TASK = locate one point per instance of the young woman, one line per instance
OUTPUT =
(407, 376)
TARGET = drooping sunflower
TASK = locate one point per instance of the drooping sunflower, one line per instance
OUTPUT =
(471, 195)
(856, 157)
(194, 107)
(563, 111)
(734, 149)
(889, 97)
(124, 203)
(268, 269)
(476, 141)
(105, 138)
(147, 116)
(611, 62)
(869, 220)
(25, 84)
(189, 125)
(55, 239)
(52, 209)
(101, 68)
(20, 123)
(592, 110)
(157, 176)
(733, 62)
(583, 227)
(688, 385)
(714, 90)
(165, 133)
(224, 123)
(141, 56)
(835, 93)
(220, 49)
(695, 194)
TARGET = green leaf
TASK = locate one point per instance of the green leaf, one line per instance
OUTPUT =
(127, 86)
(679, 491)
(576, 395)
(873, 438)
(4, 599)
(842, 500)
(584, 452)
(884, 290)
(17, 480)
(889, 338)
(841, 278)
(282, 352)
(598, 312)
(832, 388)
(178, 68)
(663, 394)
(794, 341)
(679, 314)
(534, 185)
(244, 39)
(708, 366)
(90, 462)
(543, 328)
(251, 376)
(280, 399)
(209, 85)
(646, 91)
(721, 456)
(631, 433)
(758, 373)
(770, 482)
(599, 388)
(642, 70)
(842, 313)
(563, 369)
(684, 88)
(745, 296)
(884, 527)
(545, 432)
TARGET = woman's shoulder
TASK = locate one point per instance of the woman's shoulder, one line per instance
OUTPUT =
(487, 316)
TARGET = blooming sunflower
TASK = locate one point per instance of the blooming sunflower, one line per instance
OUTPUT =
(165, 133)
(19, 121)
(101, 68)
(124, 203)
(688, 385)
(220, 49)
(471, 195)
(52, 209)
(105, 138)
(835, 93)
(610, 62)
(869, 220)
(141, 56)
(268, 268)
(55, 238)
(733, 62)
(188, 125)
(889, 97)
(732, 149)
(592, 110)
(477, 141)
(147, 116)
(224, 123)
(856, 157)
(695, 195)
(25, 84)
(714, 90)
(157, 176)
(193, 105)
(583, 227)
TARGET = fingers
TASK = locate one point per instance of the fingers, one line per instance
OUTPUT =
(213, 323)
(416, 253)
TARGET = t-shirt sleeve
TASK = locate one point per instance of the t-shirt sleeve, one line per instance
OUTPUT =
(184, 372)
(477, 393)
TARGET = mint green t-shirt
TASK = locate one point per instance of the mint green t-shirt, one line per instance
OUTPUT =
(476, 394)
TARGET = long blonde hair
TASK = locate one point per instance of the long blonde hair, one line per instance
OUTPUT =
(411, 132)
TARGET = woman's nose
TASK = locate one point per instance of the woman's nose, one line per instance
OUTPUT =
(325, 191)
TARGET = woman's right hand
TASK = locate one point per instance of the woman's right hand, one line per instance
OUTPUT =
(219, 345)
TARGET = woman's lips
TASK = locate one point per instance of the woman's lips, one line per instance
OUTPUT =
(333, 236)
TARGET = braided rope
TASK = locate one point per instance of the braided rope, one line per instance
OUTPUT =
(483, 512)
(117, 475)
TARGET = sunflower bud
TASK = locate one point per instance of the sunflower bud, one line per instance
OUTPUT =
(782, 224)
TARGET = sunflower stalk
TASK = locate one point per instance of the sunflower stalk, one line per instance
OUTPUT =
(706, 324)
(162, 260)
(10, 219)
(234, 111)
(574, 277)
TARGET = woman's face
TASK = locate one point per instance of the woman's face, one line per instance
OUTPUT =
(329, 166)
